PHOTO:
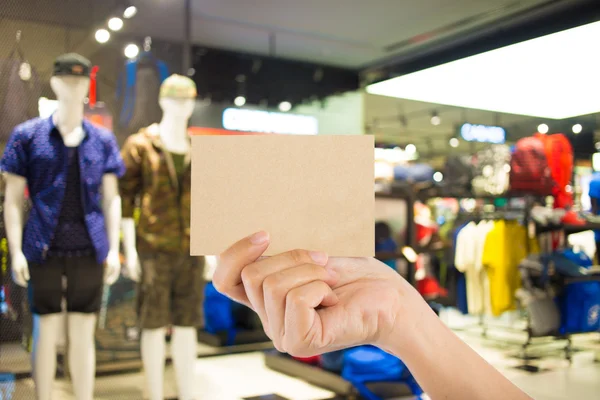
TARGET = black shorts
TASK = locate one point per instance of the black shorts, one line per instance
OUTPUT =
(85, 281)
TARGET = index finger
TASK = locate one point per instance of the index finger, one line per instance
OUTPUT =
(228, 275)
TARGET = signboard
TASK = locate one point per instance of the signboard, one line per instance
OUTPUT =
(483, 133)
(237, 119)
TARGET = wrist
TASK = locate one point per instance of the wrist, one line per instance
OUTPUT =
(412, 321)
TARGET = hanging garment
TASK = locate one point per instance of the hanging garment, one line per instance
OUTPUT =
(559, 154)
(506, 245)
(138, 91)
(469, 253)
(20, 90)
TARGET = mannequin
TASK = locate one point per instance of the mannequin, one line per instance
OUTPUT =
(162, 143)
(36, 252)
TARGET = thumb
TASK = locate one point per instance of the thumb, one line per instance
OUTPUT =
(228, 275)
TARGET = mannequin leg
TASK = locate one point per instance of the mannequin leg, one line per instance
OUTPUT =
(82, 354)
(153, 357)
(45, 337)
(183, 352)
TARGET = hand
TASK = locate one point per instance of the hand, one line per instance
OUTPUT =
(132, 264)
(112, 266)
(20, 269)
(310, 304)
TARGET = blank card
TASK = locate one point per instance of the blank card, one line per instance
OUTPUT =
(308, 192)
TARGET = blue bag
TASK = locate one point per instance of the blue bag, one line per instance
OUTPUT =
(369, 364)
(218, 313)
(579, 305)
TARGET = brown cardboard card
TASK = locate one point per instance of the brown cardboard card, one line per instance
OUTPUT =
(308, 192)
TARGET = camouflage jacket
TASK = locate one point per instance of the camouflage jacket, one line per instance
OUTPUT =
(151, 179)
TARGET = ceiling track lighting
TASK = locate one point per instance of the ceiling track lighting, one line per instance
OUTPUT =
(130, 12)
(239, 101)
(454, 142)
(435, 119)
(577, 128)
(285, 106)
(102, 36)
(543, 128)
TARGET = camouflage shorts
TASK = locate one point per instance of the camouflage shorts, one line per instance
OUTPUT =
(170, 291)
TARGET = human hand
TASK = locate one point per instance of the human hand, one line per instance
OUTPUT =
(132, 264)
(112, 266)
(310, 304)
(20, 269)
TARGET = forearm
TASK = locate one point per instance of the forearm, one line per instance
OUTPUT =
(446, 367)
(128, 229)
(111, 207)
(14, 198)
(13, 220)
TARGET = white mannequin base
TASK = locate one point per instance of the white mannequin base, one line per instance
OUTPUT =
(183, 350)
(82, 353)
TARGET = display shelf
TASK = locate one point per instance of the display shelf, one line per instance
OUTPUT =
(568, 228)
(330, 380)
(241, 338)
(309, 373)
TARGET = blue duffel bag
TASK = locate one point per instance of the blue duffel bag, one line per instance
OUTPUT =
(218, 314)
(579, 305)
(367, 364)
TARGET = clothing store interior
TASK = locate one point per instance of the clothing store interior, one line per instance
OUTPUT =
(455, 145)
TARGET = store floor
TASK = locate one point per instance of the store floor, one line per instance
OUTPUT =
(244, 376)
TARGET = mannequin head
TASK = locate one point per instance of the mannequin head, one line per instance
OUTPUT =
(70, 89)
(177, 108)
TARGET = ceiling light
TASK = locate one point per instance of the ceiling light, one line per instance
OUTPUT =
(410, 148)
(102, 35)
(130, 12)
(131, 50)
(438, 176)
(543, 128)
(489, 81)
(454, 142)
(577, 128)
(239, 101)
(285, 106)
(435, 119)
(115, 24)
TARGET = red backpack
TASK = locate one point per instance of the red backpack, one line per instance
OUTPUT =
(559, 154)
(529, 169)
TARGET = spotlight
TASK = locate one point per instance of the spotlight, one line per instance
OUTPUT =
(129, 12)
(115, 24)
(410, 148)
(577, 128)
(454, 142)
(435, 119)
(102, 35)
(285, 106)
(543, 128)
(239, 101)
(131, 50)
(438, 177)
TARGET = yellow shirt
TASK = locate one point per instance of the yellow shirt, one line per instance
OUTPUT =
(505, 247)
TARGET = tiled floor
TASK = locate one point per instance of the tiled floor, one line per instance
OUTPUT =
(232, 377)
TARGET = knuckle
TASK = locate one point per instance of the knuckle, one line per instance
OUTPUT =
(298, 256)
(250, 275)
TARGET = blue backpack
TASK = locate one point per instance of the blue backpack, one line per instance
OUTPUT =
(579, 305)
(218, 313)
(369, 364)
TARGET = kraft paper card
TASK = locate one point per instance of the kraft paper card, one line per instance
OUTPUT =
(308, 192)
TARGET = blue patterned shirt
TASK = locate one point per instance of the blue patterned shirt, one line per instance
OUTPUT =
(37, 152)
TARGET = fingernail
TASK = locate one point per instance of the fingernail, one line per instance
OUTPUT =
(319, 257)
(259, 238)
